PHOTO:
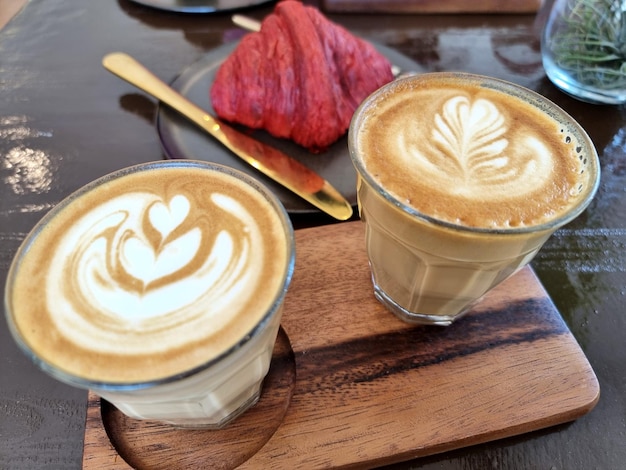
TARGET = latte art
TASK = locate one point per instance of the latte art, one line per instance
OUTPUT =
(152, 274)
(469, 155)
(130, 260)
(469, 152)
(461, 179)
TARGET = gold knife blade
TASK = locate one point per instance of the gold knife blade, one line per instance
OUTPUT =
(280, 167)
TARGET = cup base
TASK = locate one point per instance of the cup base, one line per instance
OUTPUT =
(201, 424)
(156, 445)
(414, 317)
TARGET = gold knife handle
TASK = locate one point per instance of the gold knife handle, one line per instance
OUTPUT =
(270, 161)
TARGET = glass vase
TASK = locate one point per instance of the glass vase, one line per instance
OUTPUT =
(583, 49)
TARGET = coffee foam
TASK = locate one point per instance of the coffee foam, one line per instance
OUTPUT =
(469, 155)
(152, 274)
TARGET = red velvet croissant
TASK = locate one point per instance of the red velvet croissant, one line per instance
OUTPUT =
(300, 78)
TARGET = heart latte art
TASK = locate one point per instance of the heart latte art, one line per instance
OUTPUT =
(469, 155)
(166, 267)
(141, 266)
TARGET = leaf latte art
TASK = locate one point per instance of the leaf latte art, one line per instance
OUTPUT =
(469, 152)
(131, 258)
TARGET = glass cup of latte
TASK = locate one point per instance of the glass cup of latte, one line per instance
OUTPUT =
(159, 287)
(461, 179)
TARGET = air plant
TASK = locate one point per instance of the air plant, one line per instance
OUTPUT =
(590, 43)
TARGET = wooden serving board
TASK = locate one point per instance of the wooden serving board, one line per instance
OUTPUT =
(372, 390)
(432, 6)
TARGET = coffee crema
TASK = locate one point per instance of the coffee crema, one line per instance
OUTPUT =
(471, 155)
(150, 275)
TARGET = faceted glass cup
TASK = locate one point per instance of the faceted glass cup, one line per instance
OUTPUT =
(432, 271)
(208, 395)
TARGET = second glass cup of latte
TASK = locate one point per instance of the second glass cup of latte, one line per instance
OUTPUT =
(461, 179)
(159, 287)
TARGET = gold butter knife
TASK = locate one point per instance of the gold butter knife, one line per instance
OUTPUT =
(283, 169)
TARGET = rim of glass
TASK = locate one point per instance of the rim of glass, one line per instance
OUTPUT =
(529, 96)
(32, 236)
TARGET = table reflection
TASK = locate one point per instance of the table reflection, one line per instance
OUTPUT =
(64, 121)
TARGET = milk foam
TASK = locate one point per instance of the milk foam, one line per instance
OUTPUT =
(468, 152)
(151, 274)
(142, 264)
(468, 155)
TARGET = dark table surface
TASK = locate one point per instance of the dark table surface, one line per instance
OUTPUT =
(65, 121)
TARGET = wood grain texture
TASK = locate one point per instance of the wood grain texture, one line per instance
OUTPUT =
(432, 6)
(372, 390)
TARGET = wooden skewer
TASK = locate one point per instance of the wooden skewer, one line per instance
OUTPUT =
(247, 23)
